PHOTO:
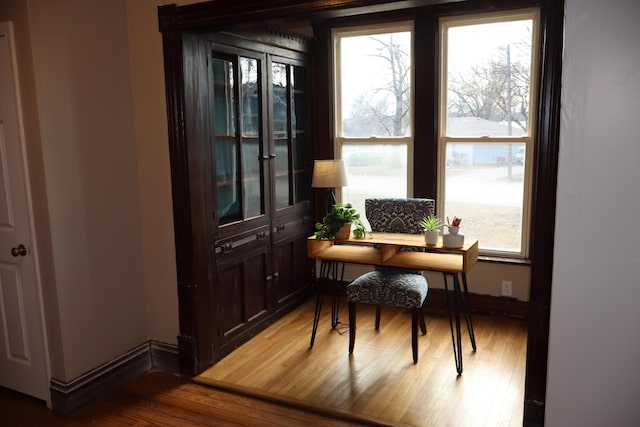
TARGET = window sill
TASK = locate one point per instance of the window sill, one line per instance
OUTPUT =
(504, 260)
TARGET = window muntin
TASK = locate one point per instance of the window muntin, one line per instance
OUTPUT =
(486, 127)
(373, 91)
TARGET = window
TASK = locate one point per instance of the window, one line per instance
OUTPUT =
(373, 99)
(486, 127)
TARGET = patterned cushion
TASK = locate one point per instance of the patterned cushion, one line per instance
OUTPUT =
(389, 288)
(398, 215)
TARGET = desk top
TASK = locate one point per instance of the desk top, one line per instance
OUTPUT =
(385, 249)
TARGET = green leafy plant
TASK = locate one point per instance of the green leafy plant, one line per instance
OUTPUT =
(431, 223)
(336, 218)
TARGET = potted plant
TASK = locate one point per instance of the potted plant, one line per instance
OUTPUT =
(339, 222)
(431, 225)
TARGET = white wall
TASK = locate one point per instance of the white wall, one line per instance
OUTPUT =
(594, 342)
(96, 306)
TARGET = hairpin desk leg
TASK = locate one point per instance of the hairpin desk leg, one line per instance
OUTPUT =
(455, 335)
(467, 311)
(330, 271)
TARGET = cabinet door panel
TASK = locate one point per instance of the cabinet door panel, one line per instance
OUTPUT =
(243, 282)
(291, 265)
(284, 287)
(256, 281)
(230, 290)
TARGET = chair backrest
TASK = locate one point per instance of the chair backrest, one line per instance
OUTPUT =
(398, 215)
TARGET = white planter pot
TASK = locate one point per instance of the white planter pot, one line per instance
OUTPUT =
(431, 237)
(453, 239)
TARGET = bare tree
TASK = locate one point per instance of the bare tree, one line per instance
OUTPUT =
(386, 110)
(497, 89)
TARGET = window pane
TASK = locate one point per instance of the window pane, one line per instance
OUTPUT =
(488, 79)
(374, 171)
(375, 77)
(487, 192)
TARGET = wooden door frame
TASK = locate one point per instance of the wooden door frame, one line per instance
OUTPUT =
(193, 290)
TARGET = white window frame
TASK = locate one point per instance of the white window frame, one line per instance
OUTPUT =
(528, 140)
(339, 139)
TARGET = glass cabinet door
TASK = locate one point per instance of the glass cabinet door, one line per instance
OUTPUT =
(250, 139)
(300, 138)
(289, 105)
(280, 110)
(237, 138)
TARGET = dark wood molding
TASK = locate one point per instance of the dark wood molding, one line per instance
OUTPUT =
(533, 414)
(480, 304)
(225, 13)
(425, 177)
(194, 316)
(544, 208)
(437, 301)
(68, 397)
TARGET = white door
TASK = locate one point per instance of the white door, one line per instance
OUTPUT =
(23, 364)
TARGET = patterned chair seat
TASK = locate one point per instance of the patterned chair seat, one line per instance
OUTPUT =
(389, 287)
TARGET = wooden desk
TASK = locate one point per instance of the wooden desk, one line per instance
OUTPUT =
(386, 249)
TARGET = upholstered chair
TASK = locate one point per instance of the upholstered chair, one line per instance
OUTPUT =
(392, 286)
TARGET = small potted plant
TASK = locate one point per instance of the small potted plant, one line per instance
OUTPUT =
(339, 222)
(431, 225)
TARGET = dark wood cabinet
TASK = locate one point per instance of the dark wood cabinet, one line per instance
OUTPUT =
(241, 170)
(258, 194)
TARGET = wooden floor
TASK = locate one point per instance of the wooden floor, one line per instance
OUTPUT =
(161, 399)
(379, 382)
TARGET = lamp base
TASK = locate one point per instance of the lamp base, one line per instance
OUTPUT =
(331, 199)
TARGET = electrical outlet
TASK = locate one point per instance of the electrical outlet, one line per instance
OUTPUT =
(506, 288)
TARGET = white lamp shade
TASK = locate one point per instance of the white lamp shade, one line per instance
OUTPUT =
(329, 174)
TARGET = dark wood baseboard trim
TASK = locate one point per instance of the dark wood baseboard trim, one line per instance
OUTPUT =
(533, 414)
(68, 397)
(164, 357)
(188, 354)
(437, 300)
(481, 304)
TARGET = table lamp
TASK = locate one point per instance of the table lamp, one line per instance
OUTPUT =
(329, 174)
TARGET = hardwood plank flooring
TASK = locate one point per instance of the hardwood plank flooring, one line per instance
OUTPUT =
(275, 379)
(161, 399)
(379, 383)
